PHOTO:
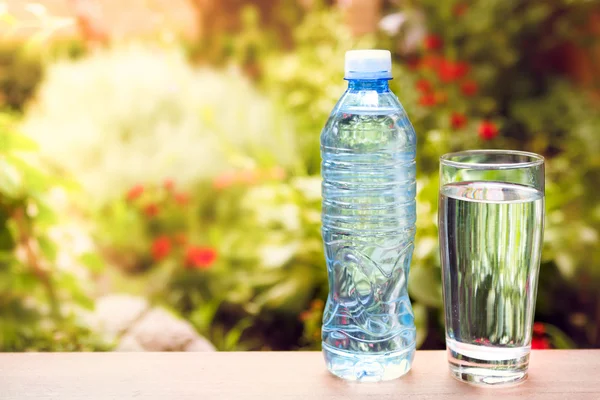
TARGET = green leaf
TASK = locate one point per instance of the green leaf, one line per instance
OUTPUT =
(69, 283)
(202, 317)
(6, 257)
(17, 142)
(10, 179)
(92, 261)
(565, 263)
(233, 336)
(33, 179)
(48, 247)
(7, 242)
(45, 215)
(25, 284)
(425, 286)
(291, 294)
(559, 339)
(420, 313)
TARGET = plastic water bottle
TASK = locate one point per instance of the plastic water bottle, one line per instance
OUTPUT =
(368, 166)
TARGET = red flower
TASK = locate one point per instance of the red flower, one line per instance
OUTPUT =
(169, 184)
(469, 88)
(161, 247)
(487, 130)
(423, 86)
(151, 210)
(182, 198)
(432, 42)
(457, 120)
(539, 329)
(446, 72)
(135, 192)
(200, 257)
(540, 343)
(462, 68)
(459, 9)
(449, 71)
(427, 100)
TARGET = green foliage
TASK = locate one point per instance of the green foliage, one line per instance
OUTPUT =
(573, 222)
(204, 191)
(307, 81)
(533, 110)
(22, 68)
(33, 290)
(282, 266)
(465, 92)
(19, 76)
(142, 115)
(192, 250)
(270, 260)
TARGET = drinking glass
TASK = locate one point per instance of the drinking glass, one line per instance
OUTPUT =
(491, 219)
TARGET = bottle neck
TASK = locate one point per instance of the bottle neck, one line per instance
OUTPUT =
(378, 85)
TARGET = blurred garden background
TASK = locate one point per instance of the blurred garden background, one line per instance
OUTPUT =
(159, 160)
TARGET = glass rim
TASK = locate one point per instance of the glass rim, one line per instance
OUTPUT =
(534, 159)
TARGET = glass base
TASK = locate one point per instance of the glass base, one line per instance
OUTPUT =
(367, 367)
(487, 366)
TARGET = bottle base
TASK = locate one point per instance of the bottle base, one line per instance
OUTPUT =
(487, 366)
(367, 367)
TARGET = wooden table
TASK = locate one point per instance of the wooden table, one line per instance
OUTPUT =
(554, 374)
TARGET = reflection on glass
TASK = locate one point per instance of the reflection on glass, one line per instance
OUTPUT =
(490, 226)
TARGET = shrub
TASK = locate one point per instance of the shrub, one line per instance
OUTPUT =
(137, 114)
(42, 295)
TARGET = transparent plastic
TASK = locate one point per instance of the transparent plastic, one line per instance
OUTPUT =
(368, 166)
